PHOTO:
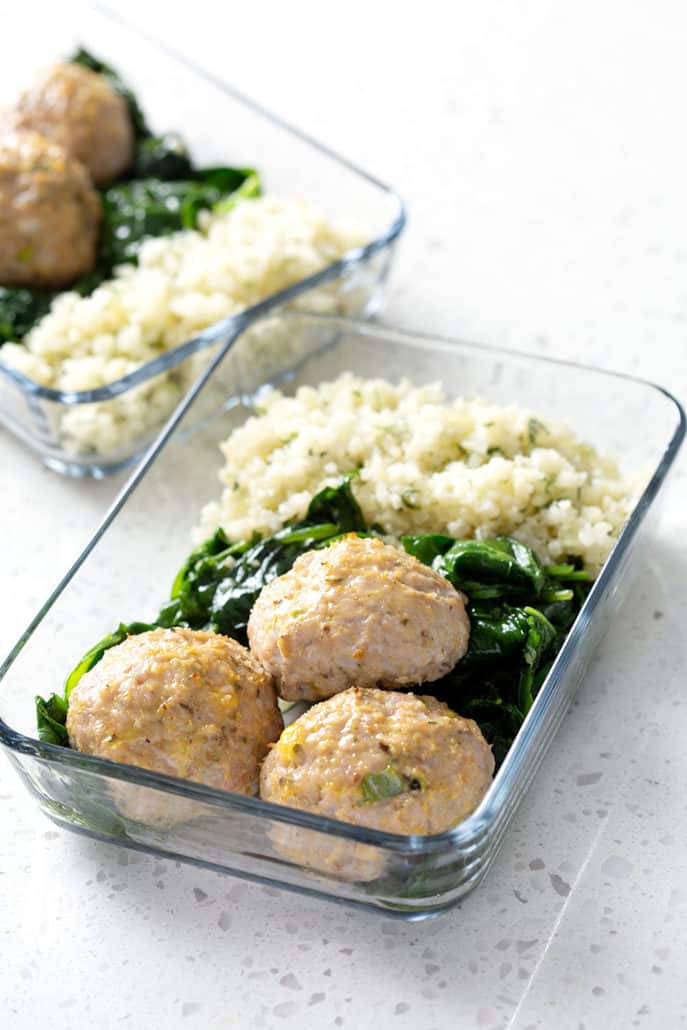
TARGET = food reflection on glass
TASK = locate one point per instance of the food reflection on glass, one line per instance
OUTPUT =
(407, 564)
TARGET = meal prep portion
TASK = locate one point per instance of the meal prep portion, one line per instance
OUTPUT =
(115, 247)
(410, 563)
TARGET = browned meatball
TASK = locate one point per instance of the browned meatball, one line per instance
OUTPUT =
(190, 704)
(383, 759)
(49, 213)
(78, 109)
(357, 613)
(376, 758)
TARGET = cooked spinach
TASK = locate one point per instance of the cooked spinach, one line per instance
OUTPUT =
(235, 588)
(500, 567)
(20, 309)
(539, 640)
(428, 547)
(337, 504)
(51, 717)
(133, 211)
(520, 612)
(162, 157)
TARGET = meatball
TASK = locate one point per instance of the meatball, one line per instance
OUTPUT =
(78, 109)
(49, 213)
(357, 613)
(382, 759)
(181, 702)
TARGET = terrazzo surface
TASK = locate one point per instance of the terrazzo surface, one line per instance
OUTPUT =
(542, 157)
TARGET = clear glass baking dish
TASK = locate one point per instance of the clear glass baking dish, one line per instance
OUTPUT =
(92, 432)
(127, 568)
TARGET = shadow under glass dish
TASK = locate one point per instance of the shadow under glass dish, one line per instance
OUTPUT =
(127, 570)
(220, 126)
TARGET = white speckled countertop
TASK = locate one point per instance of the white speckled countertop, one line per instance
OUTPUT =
(542, 154)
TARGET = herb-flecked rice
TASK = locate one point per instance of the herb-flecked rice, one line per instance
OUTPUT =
(425, 464)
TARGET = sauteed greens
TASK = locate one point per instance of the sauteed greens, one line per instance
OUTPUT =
(20, 309)
(520, 610)
(162, 193)
(140, 208)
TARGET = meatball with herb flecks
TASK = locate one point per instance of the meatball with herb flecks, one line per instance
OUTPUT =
(382, 759)
(357, 613)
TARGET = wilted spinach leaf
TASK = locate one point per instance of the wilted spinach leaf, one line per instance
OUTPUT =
(338, 505)
(541, 636)
(162, 157)
(219, 190)
(133, 211)
(499, 567)
(520, 612)
(51, 717)
(20, 309)
(427, 547)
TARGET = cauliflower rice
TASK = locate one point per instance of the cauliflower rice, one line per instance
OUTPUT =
(183, 283)
(468, 468)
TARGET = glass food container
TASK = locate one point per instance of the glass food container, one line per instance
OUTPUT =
(126, 570)
(96, 431)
